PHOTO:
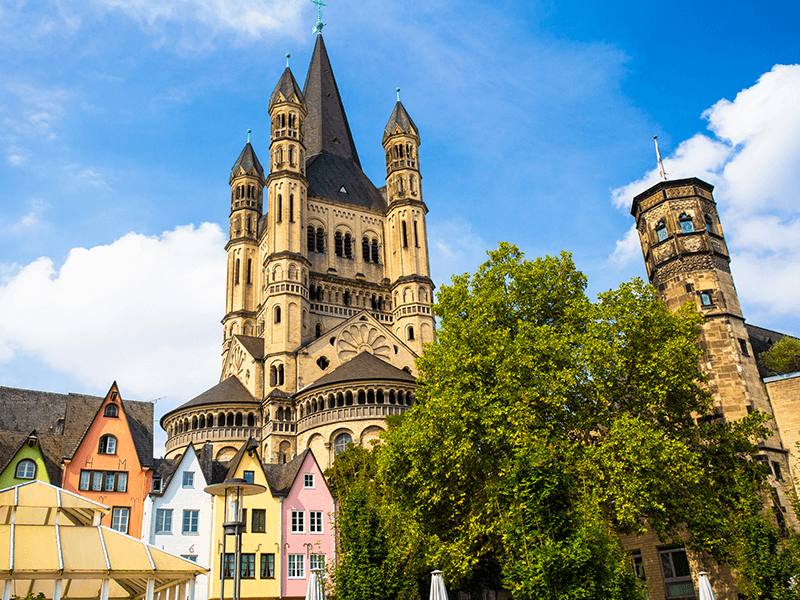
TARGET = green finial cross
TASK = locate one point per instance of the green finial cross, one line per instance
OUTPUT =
(288, 56)
(248, 136)
(398, 93)
(318, 27)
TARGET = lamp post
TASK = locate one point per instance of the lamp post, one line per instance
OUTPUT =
(233, 490)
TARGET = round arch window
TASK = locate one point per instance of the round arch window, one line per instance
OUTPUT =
(26, 469)
(108, 445)
(341, 443)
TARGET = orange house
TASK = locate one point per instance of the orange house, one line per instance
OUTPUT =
(111, 459)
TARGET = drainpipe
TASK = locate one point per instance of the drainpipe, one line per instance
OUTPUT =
(280, 555)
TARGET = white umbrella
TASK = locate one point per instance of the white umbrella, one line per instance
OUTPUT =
(706, 593)
(316, 589)
(438, 591)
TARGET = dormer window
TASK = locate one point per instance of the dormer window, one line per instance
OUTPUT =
(108, 445)
(26, 469)
(111, 411)
(686, 223)
(661, 230)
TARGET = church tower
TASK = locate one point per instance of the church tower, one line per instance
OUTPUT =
(407, 243)
(241, 296)
(687, 260)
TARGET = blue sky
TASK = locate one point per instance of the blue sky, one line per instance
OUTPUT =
(120, 121)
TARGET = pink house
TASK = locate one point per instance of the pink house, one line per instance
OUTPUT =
(307, 537)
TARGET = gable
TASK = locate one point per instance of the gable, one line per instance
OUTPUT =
(24, 451)
(360, 333)
(244, 361)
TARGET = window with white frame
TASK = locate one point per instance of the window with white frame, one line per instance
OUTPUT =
(308, 481)
(297, 566)
(677, 575)
(298, 521)
(163, 520)
(120, 517)
(188, 479)
(315, 521)
(190, 520)
(26, 469)
(316, 561)
(108, 445)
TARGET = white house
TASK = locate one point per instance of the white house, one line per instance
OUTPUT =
(177, 513)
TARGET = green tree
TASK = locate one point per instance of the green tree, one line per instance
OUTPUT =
(783, 356)
(545, 423)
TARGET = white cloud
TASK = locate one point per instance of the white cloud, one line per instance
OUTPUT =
(454, 248)
(107, 314)
(30, 220)
(753, 160)
(627, 248)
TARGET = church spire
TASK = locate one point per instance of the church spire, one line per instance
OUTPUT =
(327, 129)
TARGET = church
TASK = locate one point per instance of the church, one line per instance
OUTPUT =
(328, 296)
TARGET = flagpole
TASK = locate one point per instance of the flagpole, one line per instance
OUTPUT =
(661, 172)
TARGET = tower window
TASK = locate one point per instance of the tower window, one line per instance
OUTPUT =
(348, 246)
(404, 234)
(310, 239)
(236, 272)
(249, 270)
(686, 223)
(416, 238)
(337, 243)
(320, 240)
(280, 208)
(318, 330)
(709, 223)
(411, 334)
(277, 314)
(375, 251)
(280, 380)
(346, 298)
(340, 445)
(705, 299)
(743, 346)
(661, 230)
(365, 249)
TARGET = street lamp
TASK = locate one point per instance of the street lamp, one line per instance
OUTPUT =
(233, 490)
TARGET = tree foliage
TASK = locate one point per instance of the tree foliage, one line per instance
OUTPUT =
(783, 356)
(545, 423)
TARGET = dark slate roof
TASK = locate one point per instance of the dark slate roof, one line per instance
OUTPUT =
(230, 390)
(26, 410)
(326, 129)
(254, 345)
(282, 476)
(165, 467)
(287, 85)
(277, 393)
(762, 340)
(362, 367)
(247, 160)
(399, 117)
(327, 173)
(50, 445)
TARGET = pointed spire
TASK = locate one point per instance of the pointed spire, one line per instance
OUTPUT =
(247, 160)
(327, 129)
(399, 117)
(287, 85)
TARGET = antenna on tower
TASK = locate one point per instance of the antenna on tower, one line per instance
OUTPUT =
(661, 172)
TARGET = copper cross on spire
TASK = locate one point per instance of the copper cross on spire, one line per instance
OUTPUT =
(318, 27)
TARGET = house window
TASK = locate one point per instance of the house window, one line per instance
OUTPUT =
(315, 521)
(108, 445)
(97, 482)
(677, 577)
(163, 520)
(249, 476)
(190, 518)
(191, 557)
(298, 523)
(85, 482)
(743, 346)
(776, 470)
(26, 469)
(341, 443)
(156, 484)
(661, 230)
(119, 518)
(248, 566)
(259, 517)
(308, 481)
(638, 565)
(244, 520)
(297, 566)
(686, 223)
(228, 565)
(316, 562)
(111, 411)
(109, 481)
(188, 479)
(267, 566)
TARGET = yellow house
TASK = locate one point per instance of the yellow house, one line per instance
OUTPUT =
(261, 538)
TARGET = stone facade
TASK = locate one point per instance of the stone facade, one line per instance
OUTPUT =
(323, 267)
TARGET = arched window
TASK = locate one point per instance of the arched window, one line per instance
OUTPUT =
(709, 223)
(249, 270)
(194, 423)
(342, 440)
(202, 423)
(229, 420)
(416, 238)
(251, 420)
(26, 469)
(320, 240)
(279, 414)
(273, 376)
(236, 273)
(337, 243)
(346, 298)
(279, 215)
(210, 420)
(111, 411)
(348, 246)
(375, 251)
(661, 230)
(404, 234)
(277, 314)
(291, 208)
(410, 333)
(238, 419)
(310, 239)
(686, 223)
(108, 445)
(365, 249)
(280, 374)
(318, 330)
